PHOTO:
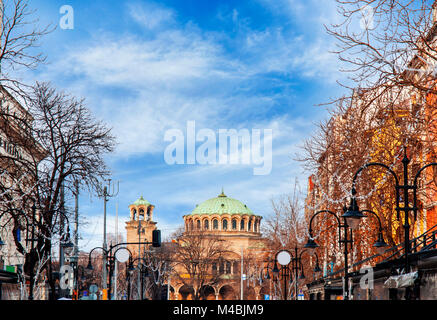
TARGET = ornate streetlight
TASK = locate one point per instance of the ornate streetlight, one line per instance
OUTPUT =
(402, 193)
(122, 257)
(283, 257)
(143, 271)
(121, 254)
(311, 244)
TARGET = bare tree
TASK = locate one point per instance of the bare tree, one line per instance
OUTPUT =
(72, 144)
(388, 48)
(387, 43)
(19, 38)
(287, 226)
(195, 257)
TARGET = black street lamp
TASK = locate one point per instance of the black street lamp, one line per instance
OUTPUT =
(297, 267)
(110, 265)
(317, 268)
(142, 269)
(111, 256)
(76, 269)
(402, 194)
(284, 258)
(129, 271)
(311, 244)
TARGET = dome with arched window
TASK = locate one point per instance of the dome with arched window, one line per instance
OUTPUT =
(225, 214)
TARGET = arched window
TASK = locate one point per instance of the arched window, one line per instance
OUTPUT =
(198, 224)
(206, 224)
(134, 214)
(228, 268)
(234, 224)
(141, 213)
(235, 267)
(214, 268)
(221, 268)
(191, 225)
(148, 213)
(225, 224)
(242, 225)
(249, 225)
(215, 224)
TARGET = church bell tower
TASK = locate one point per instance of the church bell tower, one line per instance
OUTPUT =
(141, 225)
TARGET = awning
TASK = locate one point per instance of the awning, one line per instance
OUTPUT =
(8, 277)
(401, 281)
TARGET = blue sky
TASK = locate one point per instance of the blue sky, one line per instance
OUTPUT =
(146, 67)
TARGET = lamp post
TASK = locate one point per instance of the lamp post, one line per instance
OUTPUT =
(353, 212)
(296, 265)
(283, 257)
(265, 274)
(111, 256)
(316, 269)
(76, 269)
(106, 194)
(129, 270)
(109, 265)
(143, 272)
(311, 244)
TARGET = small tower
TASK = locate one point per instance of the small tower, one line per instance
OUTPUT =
(141, 224)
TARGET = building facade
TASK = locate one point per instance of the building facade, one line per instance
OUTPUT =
(223, 224)
(16, 144)
(236, 274)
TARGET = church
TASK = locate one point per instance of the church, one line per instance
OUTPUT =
(236, 270)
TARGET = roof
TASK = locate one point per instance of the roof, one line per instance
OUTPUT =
(141, 202)
(222, 204)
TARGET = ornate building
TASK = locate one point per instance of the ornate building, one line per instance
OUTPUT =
(16, 144)
(141, 224)
(237, 273)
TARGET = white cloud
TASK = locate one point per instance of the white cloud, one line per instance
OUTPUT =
(151, 15)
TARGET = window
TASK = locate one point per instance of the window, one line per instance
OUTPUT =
(198, 224)
(214, 268)
(228, 267)
(148, 213)
(222, 268)
(234, 224)
(191, 225)
(235, 267)
(225, 224)
(242, 225)
(206, 224)
(249, 225)
(215, 224)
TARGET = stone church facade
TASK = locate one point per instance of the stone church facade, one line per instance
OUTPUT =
(238, 227)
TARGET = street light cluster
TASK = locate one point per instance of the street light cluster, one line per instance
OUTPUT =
(352, 215)
(285, 258)
(120, 253)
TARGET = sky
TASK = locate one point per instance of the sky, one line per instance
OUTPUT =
(149, 68)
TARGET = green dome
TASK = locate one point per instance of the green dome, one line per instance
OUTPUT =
(141, 202)
(222, 205)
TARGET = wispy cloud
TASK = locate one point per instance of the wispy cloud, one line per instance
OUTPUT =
(168, 69)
